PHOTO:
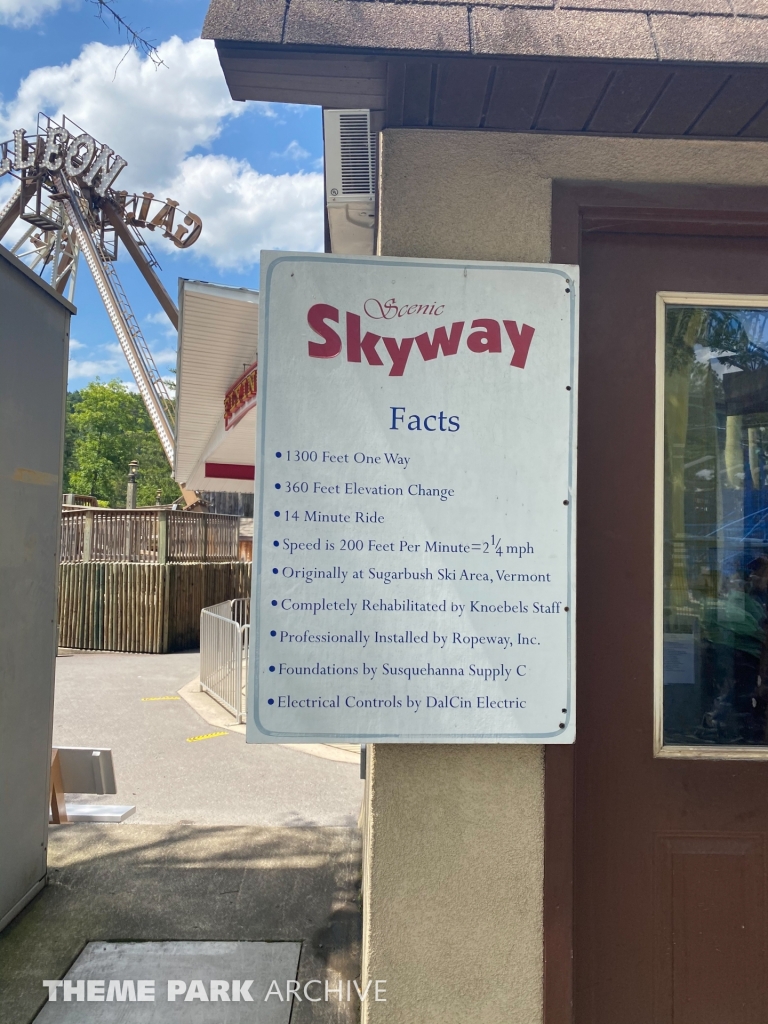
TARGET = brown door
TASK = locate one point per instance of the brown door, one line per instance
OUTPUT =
(669, 880)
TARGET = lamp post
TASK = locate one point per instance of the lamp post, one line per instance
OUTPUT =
(130, 497)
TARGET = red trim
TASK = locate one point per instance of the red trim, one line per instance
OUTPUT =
(229, 471)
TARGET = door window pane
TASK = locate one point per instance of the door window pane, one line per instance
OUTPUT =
(715, 640)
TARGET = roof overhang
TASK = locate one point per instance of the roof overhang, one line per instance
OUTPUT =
(543, 95)
(218, 339)
(639, 70)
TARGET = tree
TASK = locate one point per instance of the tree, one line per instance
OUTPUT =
(107, 427)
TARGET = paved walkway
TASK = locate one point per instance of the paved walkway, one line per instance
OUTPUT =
(109, 700)
(116, 883)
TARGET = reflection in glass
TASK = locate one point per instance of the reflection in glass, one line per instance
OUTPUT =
(716, 526)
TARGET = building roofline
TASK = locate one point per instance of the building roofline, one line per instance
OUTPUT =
(17, 264)
(691, 32)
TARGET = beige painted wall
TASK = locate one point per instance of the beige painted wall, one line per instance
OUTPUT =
(453, 886)
(454, 834)
(472, 195)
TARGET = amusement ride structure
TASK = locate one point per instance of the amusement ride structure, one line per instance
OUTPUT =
(66, 197)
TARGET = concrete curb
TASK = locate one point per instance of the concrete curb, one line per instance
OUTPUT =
(209, 710)
(214, 714)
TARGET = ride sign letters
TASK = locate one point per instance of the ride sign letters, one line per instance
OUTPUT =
(415, 485)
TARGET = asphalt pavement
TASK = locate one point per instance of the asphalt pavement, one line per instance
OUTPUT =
(169, 772)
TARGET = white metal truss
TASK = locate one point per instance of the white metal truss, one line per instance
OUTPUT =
(152, 387)
(58, 248)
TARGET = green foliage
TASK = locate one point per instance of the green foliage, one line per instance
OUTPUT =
(107, 427)
(737, 337)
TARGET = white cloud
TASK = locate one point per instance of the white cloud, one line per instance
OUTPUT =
(23, 13)
(293, 151)
(89, 368)
(165, 355)
(153, 117)
(74, 345)
(160, 319)
(8, 186)
(244, 211)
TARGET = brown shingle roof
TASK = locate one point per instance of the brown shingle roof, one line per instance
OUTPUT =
(712, 31)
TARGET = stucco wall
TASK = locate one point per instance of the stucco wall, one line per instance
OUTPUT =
(471, 195)
(453, 886)
(454, 834)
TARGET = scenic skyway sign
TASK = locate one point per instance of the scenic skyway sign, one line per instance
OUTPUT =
(414, 573)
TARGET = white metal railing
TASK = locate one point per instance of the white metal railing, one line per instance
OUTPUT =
(224, 641)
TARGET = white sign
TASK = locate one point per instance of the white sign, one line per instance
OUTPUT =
(415, 475)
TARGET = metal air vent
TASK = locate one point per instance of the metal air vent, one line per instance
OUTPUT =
(350, 156)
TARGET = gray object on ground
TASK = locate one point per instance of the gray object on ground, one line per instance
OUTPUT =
(87, 770)
(231, 964)
(100, 812)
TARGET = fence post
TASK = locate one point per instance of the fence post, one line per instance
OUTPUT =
(88, 537)
(205, 537)
(162, 536)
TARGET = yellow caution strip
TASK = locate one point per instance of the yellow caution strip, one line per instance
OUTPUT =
(161, 698)
(207, 736)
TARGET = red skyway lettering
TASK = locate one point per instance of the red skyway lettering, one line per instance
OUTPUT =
(484, 336)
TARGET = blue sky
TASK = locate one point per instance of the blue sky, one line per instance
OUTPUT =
(252, 171)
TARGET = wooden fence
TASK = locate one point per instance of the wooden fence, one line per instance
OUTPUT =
(146, 607)
(147, 535)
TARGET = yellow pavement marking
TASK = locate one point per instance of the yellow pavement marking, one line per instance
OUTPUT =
(207, 736)
(161, 698)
